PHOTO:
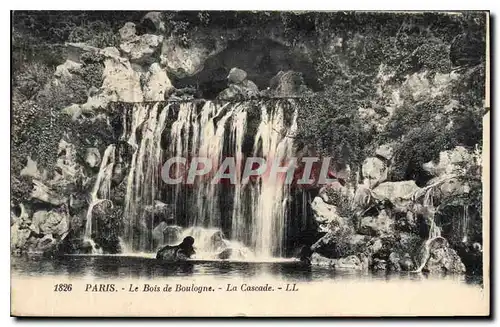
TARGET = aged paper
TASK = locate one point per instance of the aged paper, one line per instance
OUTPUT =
(288, 164)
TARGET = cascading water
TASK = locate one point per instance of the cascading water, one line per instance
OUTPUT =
(251, 215)
(434, 230)
(102, 187)
(271, 194)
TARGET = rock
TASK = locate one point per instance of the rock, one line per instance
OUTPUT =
(183, 61)
(374, 170)
(398, 193)
(324, 214)
(120, 81)
(165, 234)
(160, 211)
(377, 226)
(67, 69)
(319, 260)
(141, 48)
(236, 76)
(379, 264)
(385, 151)
(451, 162)
(338, 242)
(406, 263)
(157, 85)
(443, 259)
(375, 246)
(68, 170)
(45, 244)
(394, 260)
(154, 18)
(92, 157)
(74, 111)
(50, 222)
(217, 241)
(287, 84)
(244, 90)
(351, 262)
(43, 193)
(225, 254)
(127, 32)
(18, 236)
(31, 169)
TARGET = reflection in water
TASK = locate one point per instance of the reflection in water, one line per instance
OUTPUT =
(148, 267)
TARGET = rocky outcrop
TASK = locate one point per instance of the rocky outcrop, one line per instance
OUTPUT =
(324, 214)
(157, 86)
(377, 226)
(400, 194)
(31, 169)
(348, 263)
(154, 19)
(443, 259)
(52, 222)
(67, 69)
(139, 48)
(451, 162)
(374, 171)
(182, 60)
(239, 86)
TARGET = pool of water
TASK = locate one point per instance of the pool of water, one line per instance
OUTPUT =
(145, 266)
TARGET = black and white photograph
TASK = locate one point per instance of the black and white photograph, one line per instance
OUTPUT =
(229, 163)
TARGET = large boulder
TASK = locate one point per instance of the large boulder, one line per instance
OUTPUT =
(127, 32)
(443, 259)
(157, 84)
(236, 75)
(154, 21)
(18, 237)
(187, 60)
(348, 263)
(324, 214)
(92, 157)
(54, 222)
(140, 49)
(374, 171)
(31, 169)
(45, 194)
(67, 69)
(120, 81)
(451, 162)
(398, 193)
(377, 226)
(239, 87)
(385, 151)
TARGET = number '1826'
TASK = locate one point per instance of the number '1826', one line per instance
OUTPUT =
(63, 287)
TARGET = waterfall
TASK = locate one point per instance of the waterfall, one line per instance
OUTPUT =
(271, 195)
(144, 175)
(102, 186)
(434, 230)
(238, 128)
(249, 215)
